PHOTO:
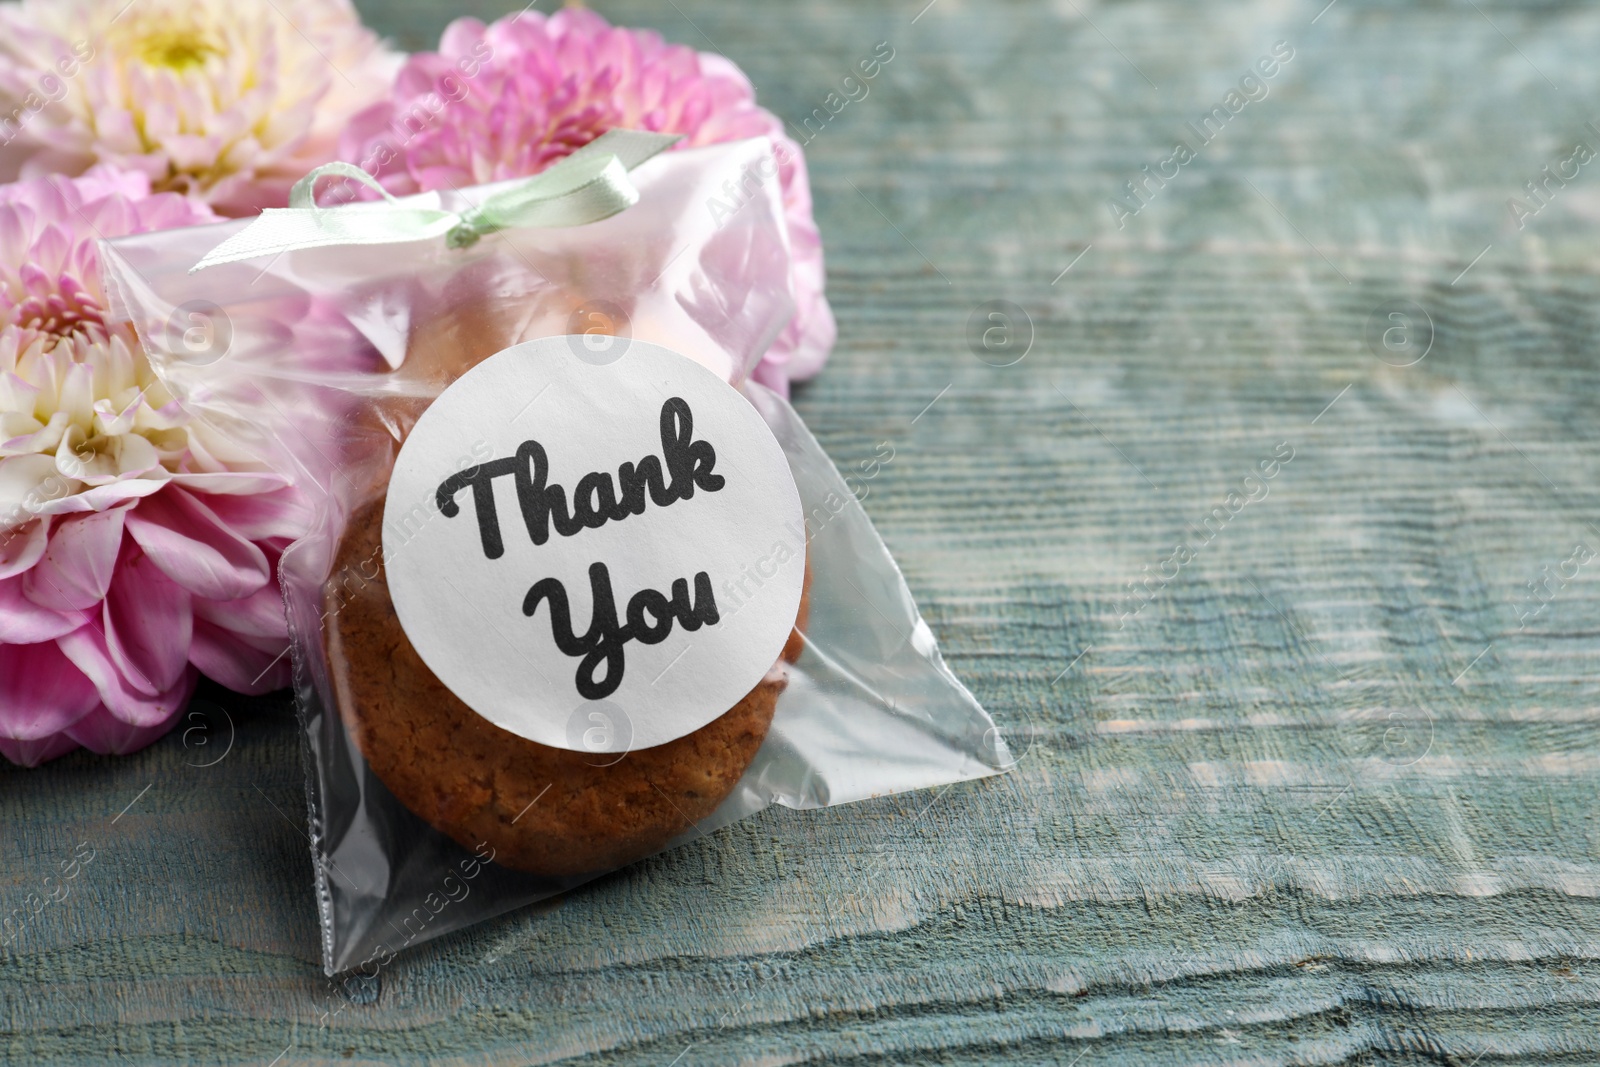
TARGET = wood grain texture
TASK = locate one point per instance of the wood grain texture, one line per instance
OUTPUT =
(1330, 796)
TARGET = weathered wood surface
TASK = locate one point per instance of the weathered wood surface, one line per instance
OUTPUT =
(1329, 797)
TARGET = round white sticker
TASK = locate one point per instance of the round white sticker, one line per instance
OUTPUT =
(593, 551)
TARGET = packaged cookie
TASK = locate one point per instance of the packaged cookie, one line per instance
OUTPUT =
(572, 589)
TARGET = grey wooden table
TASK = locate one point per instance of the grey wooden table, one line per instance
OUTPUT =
(1321, 788)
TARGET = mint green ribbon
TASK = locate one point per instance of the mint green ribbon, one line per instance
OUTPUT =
(587, 186)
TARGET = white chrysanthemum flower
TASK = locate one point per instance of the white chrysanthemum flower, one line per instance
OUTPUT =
(135, 552)
(225, 101)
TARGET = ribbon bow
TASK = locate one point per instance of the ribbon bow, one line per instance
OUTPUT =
(587, 186)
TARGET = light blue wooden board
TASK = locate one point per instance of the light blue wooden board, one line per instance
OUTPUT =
(1322, 800)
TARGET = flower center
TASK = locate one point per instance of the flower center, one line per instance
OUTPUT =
(178, 49)
(61, 314)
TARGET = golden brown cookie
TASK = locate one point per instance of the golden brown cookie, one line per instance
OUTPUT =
(546, 810)
(796, 644)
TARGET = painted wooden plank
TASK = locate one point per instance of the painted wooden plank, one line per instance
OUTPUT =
(1322, 791)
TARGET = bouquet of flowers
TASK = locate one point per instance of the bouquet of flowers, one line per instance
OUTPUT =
(138, 549)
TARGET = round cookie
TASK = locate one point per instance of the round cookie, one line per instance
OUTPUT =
(550, 811)
(546, 810)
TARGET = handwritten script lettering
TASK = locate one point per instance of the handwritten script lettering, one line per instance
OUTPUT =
(685, 465)
(597, 499)
(650, 619)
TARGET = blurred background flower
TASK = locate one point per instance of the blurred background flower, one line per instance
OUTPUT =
(508, 99)
(136, 549)
(226, 101)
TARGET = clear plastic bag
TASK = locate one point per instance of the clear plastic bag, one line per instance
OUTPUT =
(320, 361)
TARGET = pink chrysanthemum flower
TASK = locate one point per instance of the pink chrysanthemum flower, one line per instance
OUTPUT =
(135, 550)
(226, 101)
(507, 100)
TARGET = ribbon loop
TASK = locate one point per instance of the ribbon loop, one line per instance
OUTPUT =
(587, 186)
(304, 192)
(585, 190)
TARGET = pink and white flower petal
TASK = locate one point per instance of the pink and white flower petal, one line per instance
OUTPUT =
(243, 663)
(42, 693)
(21, 546)
(40, 750)
(261, 516)
(76, 570)
(25, 482)
(102, 460)
(148, 622)
(86, 648)
(106, 496)
(23, 622)
(259, 615)
(195, 548)
(105, 733)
